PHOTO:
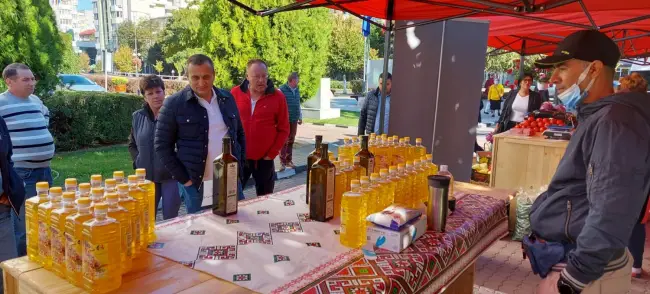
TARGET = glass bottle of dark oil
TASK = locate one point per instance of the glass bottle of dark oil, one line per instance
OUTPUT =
(366, 158)
(224, 181)
(321, 188)
(311, 159)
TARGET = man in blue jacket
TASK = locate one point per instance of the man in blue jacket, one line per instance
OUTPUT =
(602, 182)
(292, 93)
(12, 197)
(190, 129)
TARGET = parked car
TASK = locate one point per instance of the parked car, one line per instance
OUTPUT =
(79, 83)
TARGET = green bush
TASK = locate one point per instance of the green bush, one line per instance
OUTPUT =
(133, 84)
(84, 119)
(119, 81)
(336, 84)
(357, 86)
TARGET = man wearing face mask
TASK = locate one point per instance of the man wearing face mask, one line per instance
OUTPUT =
(581, 225)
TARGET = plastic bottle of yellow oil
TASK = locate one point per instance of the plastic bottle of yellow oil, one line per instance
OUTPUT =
(340, 186)
(423, 187)
(150, 188)
(388, 196)
(73, 238)
(101, 252)
(419, 149)
(71, 185)
(358, 169)
(433, 168)
(31, 219)
(118, 176)
(409, 148)
(122, 216)
(372, 195)
(350, 173)
(135, 211)
(400, 185)
(57, 219)
(110, 186)
(375, 184)
(96, 196)
(412, 186)
(140, 197)
(353, 220)
(44, 223)
(84, 190)
(343, 149)
(444, 171)
(95, 181)
(406, 188)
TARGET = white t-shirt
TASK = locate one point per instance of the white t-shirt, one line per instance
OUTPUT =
(216, 131)
(519, 108)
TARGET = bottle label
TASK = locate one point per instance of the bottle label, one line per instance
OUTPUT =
(128, 239)
(72, 254)
(136, 224)
(58, 247)
(329, 200)
(44, 241)
(145, 211)
(371, 165)
(95, 260)
(231, 187)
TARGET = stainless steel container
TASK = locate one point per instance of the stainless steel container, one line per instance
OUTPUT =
(437, 203)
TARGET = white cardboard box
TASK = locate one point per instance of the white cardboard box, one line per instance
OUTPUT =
(397, 241)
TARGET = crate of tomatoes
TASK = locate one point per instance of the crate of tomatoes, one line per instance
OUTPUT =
(548, 116)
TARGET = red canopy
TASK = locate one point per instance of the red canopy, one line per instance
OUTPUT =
(540, 38)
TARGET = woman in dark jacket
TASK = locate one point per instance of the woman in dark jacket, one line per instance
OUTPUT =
(12, 196)
(142, 149)
(518, 104)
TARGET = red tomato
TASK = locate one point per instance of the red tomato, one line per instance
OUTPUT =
(525, 124)
(546, 125)
(531, 118)
(546, 120)
(559, 121)
(533, 124)
(542, 129)
(536, 130)
(539, 120)
(518, 126)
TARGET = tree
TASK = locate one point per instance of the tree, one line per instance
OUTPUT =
(179, 60)
(84, 62)
(99, 66)
(502, 61)
(376, 40)
(181, 31)
(159, 66)
(71, 63)
(123, 59)
(145, 33)
(28, 34)
(346, 48)
(290, 41)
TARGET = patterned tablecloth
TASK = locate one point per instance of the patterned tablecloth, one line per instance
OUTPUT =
(271, 246)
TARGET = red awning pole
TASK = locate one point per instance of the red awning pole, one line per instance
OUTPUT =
(382, 102)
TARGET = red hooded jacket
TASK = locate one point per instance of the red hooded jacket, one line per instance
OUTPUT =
(267, 129)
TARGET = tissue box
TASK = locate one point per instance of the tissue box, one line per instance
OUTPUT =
(397, 241)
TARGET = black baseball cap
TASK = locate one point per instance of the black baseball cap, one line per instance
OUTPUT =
(586, 45)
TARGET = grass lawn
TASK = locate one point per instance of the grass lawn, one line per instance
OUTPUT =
(83, 163)
(348, 118)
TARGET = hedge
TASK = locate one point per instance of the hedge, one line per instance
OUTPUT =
(133, 84)
(85, 119)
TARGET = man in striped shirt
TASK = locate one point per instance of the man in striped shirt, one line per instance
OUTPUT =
(33, 146)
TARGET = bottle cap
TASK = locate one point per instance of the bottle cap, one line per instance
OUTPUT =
(364, 181)
(56, 190)
(407, 139)
(353, 182)
(140, 172)
(118, 174)
(112, 196)
(319, 137)
(101, 206)
(366, 178)
(444, 168)
(123, 188)
(69, 196)
(110, 182)
(400, 165)
(383, 172)
(98, 191)
(42, 186)
(70, 182)
(401, 140)
(83, 202)
(438, 181)
(392, 169)
(346, 139)
(418, 140)
(355, 185)
(96, 178)
(84, 186)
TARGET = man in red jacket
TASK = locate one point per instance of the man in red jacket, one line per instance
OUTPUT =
(265, 116)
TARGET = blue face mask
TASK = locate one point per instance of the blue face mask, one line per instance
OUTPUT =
(572, 96)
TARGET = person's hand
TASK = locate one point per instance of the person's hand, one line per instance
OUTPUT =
(549, 284)
(4, 199)
(189, 183)
(300, 121)
(267, 158)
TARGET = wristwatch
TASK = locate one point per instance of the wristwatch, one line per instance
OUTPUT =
(565, 288)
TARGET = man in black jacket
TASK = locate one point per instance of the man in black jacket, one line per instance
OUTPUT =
(12, 196)
(190, 129)
(142, 151)
(368, 118)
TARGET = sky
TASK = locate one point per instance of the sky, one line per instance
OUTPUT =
(85, 5)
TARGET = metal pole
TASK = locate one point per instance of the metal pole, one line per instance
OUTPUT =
(365, 64)
(522, 57)
(382, 101)
(135, 39)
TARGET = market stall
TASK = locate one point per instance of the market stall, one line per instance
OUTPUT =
(271, 246)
